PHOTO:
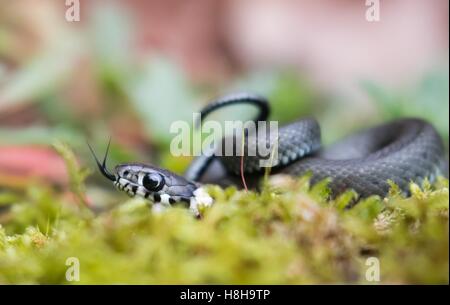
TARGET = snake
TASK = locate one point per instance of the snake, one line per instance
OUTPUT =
(401, 151)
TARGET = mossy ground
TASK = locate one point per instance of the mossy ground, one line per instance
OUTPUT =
(289, 233)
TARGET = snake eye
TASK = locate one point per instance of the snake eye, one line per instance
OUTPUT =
(153, 182)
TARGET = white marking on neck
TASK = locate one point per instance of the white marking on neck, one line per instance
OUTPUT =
(200, 199)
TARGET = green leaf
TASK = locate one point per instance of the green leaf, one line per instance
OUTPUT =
(161, 95)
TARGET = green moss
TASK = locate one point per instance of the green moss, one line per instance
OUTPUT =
(288, 233)
(280, 236)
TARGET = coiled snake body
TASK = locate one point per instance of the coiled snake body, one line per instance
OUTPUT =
(402, 151)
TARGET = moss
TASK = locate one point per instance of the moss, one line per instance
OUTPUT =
(289, 233)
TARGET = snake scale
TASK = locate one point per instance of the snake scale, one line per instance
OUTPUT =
(403, 151)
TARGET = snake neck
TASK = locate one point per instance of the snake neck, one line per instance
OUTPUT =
(199, 200)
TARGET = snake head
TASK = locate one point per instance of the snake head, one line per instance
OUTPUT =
(153, 183)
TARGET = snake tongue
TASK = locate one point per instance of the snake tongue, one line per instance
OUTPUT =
(102, 166)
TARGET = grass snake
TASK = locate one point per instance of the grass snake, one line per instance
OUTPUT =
(402, 151)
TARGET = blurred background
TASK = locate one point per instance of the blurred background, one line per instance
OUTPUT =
(128, 69)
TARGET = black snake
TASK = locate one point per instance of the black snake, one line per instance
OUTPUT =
(402, 151)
